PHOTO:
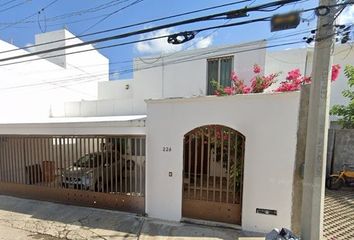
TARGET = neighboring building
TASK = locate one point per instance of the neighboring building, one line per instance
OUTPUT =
(169, 76)
(302, 58)
(28, 89)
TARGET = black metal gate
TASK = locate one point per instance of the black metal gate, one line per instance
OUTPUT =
(213, 174)
(96, 171)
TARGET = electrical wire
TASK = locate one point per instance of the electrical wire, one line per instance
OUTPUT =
(110, 15)
(147, 30)
(14, 6)
(183, 22)
(6, 3)
(30, 16)
(186, 59)
(120, 44)
(131, 25)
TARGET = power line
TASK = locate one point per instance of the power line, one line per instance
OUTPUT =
(226, 14)
(122, 44)
(81, 12)
(30, 16)
(6, 3)
(185, 59)
(144, 40)
(174, 61)
(14, 6)
(131, 25)
(110, 15)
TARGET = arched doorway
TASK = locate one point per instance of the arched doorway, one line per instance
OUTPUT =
(213, 173)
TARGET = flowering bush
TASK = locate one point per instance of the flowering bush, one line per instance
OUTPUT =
(259, 82)
(294, 80)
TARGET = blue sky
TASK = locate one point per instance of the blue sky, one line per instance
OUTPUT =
(21, 33)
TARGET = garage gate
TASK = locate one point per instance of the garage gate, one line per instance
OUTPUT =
(95, 171)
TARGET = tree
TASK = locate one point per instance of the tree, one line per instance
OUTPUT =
(346, 112)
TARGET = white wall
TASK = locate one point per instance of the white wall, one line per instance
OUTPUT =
(117, 89)
(28, 89)
(170, 76)
(286, 60)
(184, 74)
(269, 123)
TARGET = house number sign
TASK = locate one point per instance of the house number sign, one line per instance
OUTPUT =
(166, 149)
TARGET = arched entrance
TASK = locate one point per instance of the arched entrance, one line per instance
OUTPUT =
(213, 173)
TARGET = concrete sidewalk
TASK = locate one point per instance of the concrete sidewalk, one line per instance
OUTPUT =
(30, 219)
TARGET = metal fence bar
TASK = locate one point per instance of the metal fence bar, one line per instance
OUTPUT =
(82, 155)
(2, 159)
(214, 163)
(33, 156)
(201, 165)
(111, 164)
(195, 163)
(14, 160)
(189, 164)
(241, 166)
(42, 164)
(141, 167)
(208, 163)
(234, 190)
(116, 161)
(102, 164)
(121, 165)
(228, 166)
(11, 157)
(222, 163)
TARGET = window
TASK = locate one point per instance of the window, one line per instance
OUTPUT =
(219, 69)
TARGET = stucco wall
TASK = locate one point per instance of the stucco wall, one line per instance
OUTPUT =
(269, 123)
(28, 89)
(117, 89)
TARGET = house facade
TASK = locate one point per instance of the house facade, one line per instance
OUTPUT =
(160, 144)
(28, 89)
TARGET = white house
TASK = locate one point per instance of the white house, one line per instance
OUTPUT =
(28, 89)
(158, 144)
(170, 75)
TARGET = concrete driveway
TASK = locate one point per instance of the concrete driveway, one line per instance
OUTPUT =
(30, 219)
(339, 215)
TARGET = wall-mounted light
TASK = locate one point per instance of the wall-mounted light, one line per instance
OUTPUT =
(127, 86)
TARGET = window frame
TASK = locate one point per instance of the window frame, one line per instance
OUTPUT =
(219, 67)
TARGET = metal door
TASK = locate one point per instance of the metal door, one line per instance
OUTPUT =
(213, 173)
(96, 171)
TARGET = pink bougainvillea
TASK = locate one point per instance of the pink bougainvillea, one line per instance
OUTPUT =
(294, 79)
(259, 82)
(256, 68)
(335, 72)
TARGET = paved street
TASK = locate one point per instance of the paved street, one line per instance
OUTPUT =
(30, 219)
(339, 215)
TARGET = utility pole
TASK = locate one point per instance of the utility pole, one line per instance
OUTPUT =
(317, 127)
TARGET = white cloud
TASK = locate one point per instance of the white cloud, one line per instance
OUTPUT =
(159, 45)
(162, 46)
(347, 16)
(204, 42)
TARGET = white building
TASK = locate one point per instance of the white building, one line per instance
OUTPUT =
(223, 159)
(169, 76)
(27, 90)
